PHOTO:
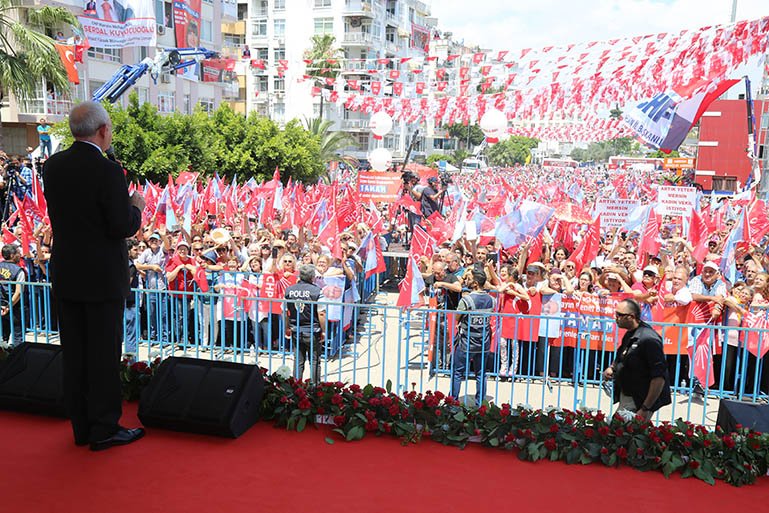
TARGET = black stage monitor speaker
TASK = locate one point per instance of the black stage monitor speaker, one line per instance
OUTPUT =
(203, 396)
(30, 380)
(750, 415)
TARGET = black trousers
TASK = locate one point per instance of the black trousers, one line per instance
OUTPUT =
(91, 337)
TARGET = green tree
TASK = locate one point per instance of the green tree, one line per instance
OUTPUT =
(659, 154)
(432, 160)
(27, 54)
(616, 112)
(332, 144)
(458, 156)
(511, 151)
(152, 146)
(325, 56)
(464, 133)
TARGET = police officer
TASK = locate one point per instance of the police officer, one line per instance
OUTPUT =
(307, 318)
(10, 294)
(474, 338)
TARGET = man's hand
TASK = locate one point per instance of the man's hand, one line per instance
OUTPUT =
(137, 200)
(4, 310)
(645, 415)
(608, 374)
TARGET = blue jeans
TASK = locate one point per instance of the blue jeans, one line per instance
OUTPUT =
(157, 313)
(130, 343)
(46, 148)
(459, 363)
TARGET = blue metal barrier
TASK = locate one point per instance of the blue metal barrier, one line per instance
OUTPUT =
(415, 349)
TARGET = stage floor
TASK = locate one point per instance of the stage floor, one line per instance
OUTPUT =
(269, 469)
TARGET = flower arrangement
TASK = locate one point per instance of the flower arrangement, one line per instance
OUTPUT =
(572, 436)
(135, 375)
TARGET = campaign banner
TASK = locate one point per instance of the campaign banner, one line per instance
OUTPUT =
(590, 322)
(379, 185)
(116, 24)
(678, 163)
(614, 212)
(187, 22)
(218, 70)
(676, 201)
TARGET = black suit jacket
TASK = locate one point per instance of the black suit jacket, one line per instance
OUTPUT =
(91, 217)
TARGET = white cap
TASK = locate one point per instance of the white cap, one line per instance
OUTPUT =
(710, 265)
(651, 269)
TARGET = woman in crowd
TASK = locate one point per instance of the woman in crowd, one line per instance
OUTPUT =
(513, 299)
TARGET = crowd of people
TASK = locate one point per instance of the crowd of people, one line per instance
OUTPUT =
(193, 272)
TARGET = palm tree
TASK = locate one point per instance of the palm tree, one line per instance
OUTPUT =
(331, 143)
(325, 61)
(26, 53)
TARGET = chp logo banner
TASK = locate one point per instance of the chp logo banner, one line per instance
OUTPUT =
(676, 201)
(119, 24)
(379, 185)
(615, 212)
(187, 22)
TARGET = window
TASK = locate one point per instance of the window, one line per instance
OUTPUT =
(324, 25)
(260, 53)
(206, 104)
(164, 13)
(259, 28)
(144, 52)
(279, 53)
(261, 8)
(322, 3)
(280, 5)
(242, 12)
(144, 94)
(363, 141)
(279, 27)
(94, 85)
(390, 35)
(316, 110)
(279, 112)
(765, 120)
(233, 40)
(206, 31)
(166, 101)
(187, 109)
(106, 54)
(279, 85)
(260, 84)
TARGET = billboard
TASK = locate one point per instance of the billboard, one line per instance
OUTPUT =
(187, 23)
(218, 70)
(116, 24)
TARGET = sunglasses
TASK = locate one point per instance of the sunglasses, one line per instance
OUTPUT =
(620, 315)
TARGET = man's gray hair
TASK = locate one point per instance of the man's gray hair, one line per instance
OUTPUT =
(307, 272)
(86, 118)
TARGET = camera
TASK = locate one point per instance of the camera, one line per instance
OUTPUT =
(446, 180)
(409, 178)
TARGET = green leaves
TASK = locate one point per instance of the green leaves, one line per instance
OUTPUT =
(514, 150)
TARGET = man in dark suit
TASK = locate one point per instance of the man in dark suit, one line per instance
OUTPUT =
(91, 216)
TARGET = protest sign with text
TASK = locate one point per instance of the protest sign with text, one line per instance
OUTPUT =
(614, 212)
(676, 201)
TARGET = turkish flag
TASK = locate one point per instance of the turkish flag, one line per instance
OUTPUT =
(397, 88)
(376, 87)
(67, 55)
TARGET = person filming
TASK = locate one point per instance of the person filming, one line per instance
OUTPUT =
(91, 214)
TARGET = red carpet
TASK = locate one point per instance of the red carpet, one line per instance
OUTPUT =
(269, 469)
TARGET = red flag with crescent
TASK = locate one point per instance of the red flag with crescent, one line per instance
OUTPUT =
(67, 55)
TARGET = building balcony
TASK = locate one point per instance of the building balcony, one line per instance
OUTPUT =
(237, 28)
(390, 46)
(358, 38)
(358, 8)
(45, 106)
(392, 18)
(355, 125)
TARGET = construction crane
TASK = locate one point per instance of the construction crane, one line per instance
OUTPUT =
(169, 60)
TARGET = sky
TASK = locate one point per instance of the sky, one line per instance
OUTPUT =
(517, 24)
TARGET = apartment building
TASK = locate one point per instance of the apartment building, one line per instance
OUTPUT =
(365, 30)
(170, 93)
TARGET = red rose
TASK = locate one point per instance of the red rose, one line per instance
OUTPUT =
(337, 400)
(321, 410)
(554, 428)
(374, 402)
(618, 432)
(437, 413)
(706, 443)
(305, 404)
(355, 404)
(667, 436)
(729, 442)
(689, 433)
(393, 410)
(603, 430)
(477, 432)
(589, 433)
(550, 444)
(339, 384)
(482, 410)
(600, 416)
(694, 464)
(386, 402)
(687, 443)
(388, 427)
(604, 450)
(574, 444)
(622, 453)
(639, 452)
(418, 405)
(370, 415)
(339, 420)
(509, 437)
(440, 395)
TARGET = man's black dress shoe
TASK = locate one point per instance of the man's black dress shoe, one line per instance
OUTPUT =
(122, 437)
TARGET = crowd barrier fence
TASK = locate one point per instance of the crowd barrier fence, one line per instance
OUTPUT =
(415, 348)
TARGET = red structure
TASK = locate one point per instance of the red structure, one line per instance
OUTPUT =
(722, 159)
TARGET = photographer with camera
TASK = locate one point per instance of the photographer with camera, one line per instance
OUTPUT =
(429, 196)
(639, 370)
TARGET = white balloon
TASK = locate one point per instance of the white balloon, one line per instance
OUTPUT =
(494, 124)
(380, 159)
(381, 123)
